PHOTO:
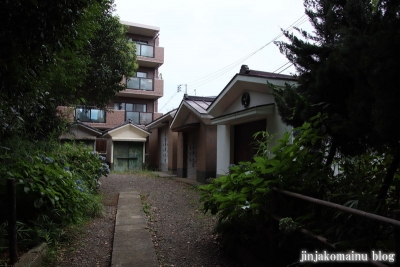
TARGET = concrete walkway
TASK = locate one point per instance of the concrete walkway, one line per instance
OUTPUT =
(173, 176)
(133, 246)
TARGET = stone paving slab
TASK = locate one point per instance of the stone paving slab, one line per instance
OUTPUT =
(175, 177)
(188, 181)
(132, 197)
(164, 174)
(132, 245)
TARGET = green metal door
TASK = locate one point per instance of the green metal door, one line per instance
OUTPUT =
(128, 156)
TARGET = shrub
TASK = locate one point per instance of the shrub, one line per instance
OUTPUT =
(56, 185)
(299, 165)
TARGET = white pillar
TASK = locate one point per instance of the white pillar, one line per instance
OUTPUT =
(223, 149)
(276, 127)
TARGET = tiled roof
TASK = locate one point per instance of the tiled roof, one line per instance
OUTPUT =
(78, 122)
(129, 121)
(162, 117)
(199, 103)
(244, 70)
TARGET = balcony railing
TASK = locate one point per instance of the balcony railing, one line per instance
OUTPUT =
(90, 115)
(141, 118)
(139, 83)
(144, 50)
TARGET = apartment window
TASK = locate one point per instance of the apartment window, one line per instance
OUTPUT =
(139, 42)
(130, 107)
(143, 49)
(119, 106)
(136, 107)
(136, 112)
(140, 82)
(86, 114)
(140, 74)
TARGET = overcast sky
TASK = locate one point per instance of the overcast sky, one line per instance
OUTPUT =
(207, 41)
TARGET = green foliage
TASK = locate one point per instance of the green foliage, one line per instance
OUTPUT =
(63, 53)
(345, 68)
(329, 63)
(244, 190)
(298, 163)
(287, 225)
(33, 32)
(56, 185)
(112, 57)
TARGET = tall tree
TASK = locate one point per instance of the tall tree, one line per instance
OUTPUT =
(112, 57)
(346, 69)
(54, 52)
(32, 33)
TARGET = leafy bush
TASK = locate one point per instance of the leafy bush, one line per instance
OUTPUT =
(56, 185)
(246, 187)
(299, 163)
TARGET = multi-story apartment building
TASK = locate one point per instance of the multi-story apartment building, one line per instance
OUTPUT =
(119, 132)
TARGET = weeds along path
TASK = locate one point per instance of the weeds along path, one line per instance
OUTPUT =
(181, 233)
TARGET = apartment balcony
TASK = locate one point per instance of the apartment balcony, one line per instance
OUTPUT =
(101, 119)
(137, 83)
(143, 88)
(87, 114)
(141, 118)
(149, 56)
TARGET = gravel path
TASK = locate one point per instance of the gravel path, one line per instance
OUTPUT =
(182, 234)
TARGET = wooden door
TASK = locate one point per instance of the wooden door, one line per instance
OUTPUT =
(164, 150)
(245, 146)
(128, 156)
(191, 155)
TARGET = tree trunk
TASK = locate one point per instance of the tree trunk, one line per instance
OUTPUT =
(390, 173)
(331, 155)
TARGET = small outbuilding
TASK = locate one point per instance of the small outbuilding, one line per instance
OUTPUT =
(245, 106)
(85, 134)
(197, 139)
(163, 144)
(126, 147)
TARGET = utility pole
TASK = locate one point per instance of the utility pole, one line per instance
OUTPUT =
(180, 86)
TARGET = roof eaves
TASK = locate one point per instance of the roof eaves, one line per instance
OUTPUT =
(240, 111)
(155, 122)
(123, 124)
(86, 126)
(222, 91)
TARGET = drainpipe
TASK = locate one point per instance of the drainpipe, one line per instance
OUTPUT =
(158, 34)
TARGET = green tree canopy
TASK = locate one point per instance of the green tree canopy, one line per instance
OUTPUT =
(347, 68)
(58, 52)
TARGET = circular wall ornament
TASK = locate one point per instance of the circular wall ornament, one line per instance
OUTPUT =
(246, 99)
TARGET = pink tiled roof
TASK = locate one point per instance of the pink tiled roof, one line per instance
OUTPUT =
(199, 103)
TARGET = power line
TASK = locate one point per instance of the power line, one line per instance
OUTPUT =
(301, 22)
(232, 65)
(212, 76)
(286, 68)
(281, 66)
(217, 74)
(168, 101)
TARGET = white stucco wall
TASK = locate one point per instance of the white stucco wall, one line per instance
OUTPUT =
(276, 127)
(230, 103)
(256, 99)
(128, 136)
